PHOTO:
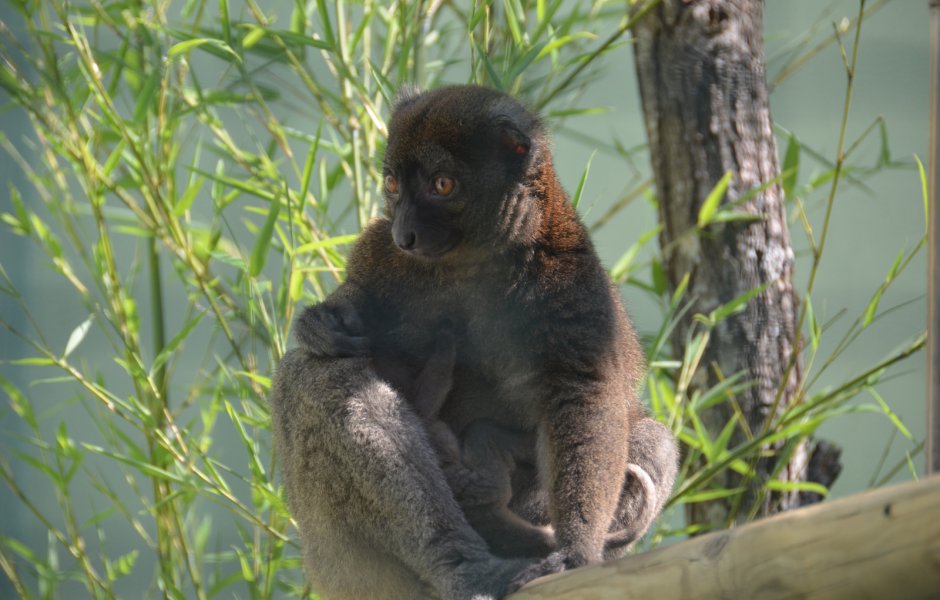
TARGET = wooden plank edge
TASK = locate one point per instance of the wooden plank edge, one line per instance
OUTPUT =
(883, 543)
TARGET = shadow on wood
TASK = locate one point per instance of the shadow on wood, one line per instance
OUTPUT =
(884, 543)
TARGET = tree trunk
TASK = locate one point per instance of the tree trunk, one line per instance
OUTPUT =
(700, 65)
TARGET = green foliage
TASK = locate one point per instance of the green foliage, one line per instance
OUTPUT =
(229, 154)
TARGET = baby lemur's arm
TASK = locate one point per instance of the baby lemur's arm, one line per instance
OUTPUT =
(436, 378)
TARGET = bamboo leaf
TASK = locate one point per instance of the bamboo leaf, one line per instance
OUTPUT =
(584, 174)
(736, 305)
(188, 197)
(186, 46)
(924, 191)
(562, 41)
(665, 364)
(718, 393)
(624, 265)
(815, 331)
(255, 34)
(39, 361)
(295, 285)
(339, 240)
(19, 208)
(113, 159)
(248, 573)
(680, 291)
(721, 442)
(78, 334)
(733, 216)
(479, 11)
(25, 552)
(777, 485)
(21, 405)
(872, 308)
(702, 435)
(386, 87)
(658, 276)
(791, 167)
(144, 467)
(522, 63)
(495, 79)
(714, 198)
(40, 466)
(146, 96)
(760, 189)
(125, 563)
(261, 380)
(884, 156)
(512, 20)
(892, 416)
(576, 112)
(708, 495)
(309, 163)
(260, 254)
(298, 17)
(220, 178)
(325, 23)
(226, 21)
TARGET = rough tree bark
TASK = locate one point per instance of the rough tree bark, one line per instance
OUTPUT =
(700, 65)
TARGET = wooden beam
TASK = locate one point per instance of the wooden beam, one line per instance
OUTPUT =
(884, 543)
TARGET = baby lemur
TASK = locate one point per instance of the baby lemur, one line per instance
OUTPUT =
(477, 231)
(480, 465)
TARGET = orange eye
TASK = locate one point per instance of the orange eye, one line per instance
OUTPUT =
(391, 184)
(443, 186)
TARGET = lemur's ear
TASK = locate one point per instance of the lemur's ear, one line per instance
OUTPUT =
(511, 138)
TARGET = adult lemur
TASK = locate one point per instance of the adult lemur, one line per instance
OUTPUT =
(480, 240)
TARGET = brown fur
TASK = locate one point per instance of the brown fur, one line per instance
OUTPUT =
(543, 348)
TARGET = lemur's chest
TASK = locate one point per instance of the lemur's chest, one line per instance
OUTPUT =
(496, 366)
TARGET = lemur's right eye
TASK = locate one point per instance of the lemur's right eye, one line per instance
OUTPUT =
(391, 185)
(443, 186)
